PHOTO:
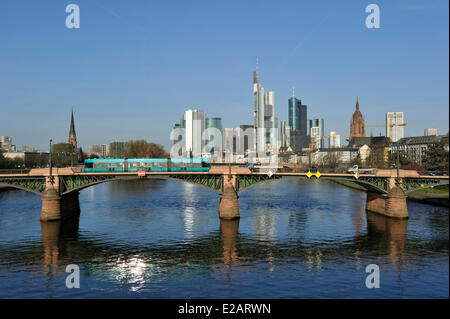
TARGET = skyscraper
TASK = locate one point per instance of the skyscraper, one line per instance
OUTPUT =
(357, 126)
(230, 143)
(264, 117)
(394, 132)
(193, 121)
(283, 134)
(335, 140)
(72, 134)
(298, 123)
(317, 131)
(214, 144)
(247, 137)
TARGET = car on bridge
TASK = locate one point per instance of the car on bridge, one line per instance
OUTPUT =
(355, 169)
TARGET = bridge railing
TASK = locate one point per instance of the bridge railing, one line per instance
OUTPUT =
(433, 173)
(15, 171)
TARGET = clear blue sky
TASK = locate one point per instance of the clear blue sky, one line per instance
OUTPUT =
(133, 67)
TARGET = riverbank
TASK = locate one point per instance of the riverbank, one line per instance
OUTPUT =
(4, 189)
(432, 196)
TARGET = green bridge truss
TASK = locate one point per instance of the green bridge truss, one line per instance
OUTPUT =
(73, 183)
(31, 184)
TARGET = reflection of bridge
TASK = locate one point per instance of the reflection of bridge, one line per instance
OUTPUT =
(60, 187)
(382, 237)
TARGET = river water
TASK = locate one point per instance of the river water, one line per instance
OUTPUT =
(163, 239)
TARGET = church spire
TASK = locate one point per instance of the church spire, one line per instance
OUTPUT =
(72, 134)
(72, 125)
(357, 104)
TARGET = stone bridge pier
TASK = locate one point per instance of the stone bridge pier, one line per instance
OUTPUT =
(56, 206)
(392, 204)
(229, 205)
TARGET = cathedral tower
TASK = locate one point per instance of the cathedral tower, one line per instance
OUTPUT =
(357, 127)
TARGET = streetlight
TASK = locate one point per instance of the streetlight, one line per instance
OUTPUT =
(398, 164)
(51, 176)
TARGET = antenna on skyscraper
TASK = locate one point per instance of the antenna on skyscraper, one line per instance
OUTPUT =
(293, 90)
(255, 74)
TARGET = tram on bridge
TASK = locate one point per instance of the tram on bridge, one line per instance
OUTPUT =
(147, 165)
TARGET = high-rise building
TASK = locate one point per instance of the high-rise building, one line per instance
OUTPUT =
(100, 150)
(117, 149)
(213, 145)
(298, 123)
(6, 144)
(315, 134)
(178, 136)
(283, 133)
(230, 140)
(335, 140)
(264, 117)
(72, 134)
(247, 137)
(193, 121)
(317, 130)
(393, 131)
(430, 132)
(357, 126)
(288, 133)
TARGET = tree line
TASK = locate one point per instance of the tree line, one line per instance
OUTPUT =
(63, 155)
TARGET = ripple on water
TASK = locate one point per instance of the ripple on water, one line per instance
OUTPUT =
(163, 239)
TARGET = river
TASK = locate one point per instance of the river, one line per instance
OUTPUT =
(164, 239)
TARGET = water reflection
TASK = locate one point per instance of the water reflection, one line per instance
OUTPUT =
(390, 233)
(229, 234)
(314, 260)
(163, 239)
(228, 266)
(135, 271)
(190, 197)
(54, 235)
(135, 187)
(265, 226)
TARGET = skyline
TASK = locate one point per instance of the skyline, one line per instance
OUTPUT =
(126, 81)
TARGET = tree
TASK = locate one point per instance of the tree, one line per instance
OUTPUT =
(402, 158)
(144, 149)
(157, 151)
(11, 162)
(62, 155)
(331, 159)
(415, 167)
(36, 160)
(436, 156)
(356, 161)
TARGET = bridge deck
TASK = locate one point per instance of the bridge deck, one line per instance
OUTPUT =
(233, 172)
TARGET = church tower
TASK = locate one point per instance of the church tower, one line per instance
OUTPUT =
(357, 127)
(72, 134)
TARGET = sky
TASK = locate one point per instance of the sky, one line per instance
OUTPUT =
(133, 67)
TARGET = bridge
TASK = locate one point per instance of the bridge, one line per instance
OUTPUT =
(59, 187)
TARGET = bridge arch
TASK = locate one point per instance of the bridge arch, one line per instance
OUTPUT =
(70, 184)
(243, 182)
(20, 187)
